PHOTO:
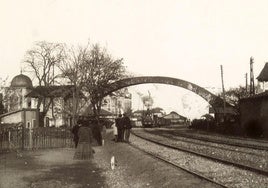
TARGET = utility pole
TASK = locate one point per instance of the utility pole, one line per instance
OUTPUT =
(251, 86)
(223, 91)
(246, 77)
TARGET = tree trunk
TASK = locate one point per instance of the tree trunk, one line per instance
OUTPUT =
(41, 119)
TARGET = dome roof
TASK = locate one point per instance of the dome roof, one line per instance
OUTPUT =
(21, 81)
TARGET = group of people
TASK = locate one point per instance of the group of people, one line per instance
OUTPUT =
(85, 131)
(83, 139)
(122, 128)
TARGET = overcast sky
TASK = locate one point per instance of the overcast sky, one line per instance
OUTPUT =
(182, 38)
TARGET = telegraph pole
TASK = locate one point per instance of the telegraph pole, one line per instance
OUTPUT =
(251, 86)
(223, 91)
(246, 77)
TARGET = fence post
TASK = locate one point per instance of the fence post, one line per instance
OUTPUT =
(22, 136)
(9, 139)
(30, 138)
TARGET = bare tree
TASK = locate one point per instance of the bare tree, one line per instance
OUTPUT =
(72, 70)
(41, 60)
(233, 95)
(90, 69)
(99, 70)
(3, 95)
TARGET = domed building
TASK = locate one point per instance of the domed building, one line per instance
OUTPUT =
(21, 81)
(19, 107)
(20, 86)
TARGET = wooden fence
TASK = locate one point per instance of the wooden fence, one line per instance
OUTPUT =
(17, 137)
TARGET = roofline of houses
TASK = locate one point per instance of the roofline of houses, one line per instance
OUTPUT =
(16, 111)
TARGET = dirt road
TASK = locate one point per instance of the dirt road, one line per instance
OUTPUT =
(47, 169)
(55, 168)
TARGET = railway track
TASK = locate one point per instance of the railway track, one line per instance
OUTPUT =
(209, 142)
(162, 159)
(248, 159)
(239, 142)
(247, 169)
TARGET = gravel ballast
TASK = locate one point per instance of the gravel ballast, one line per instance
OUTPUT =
(225, 174)
(136, 169)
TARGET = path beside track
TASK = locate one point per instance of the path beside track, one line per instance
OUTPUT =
(56, 168)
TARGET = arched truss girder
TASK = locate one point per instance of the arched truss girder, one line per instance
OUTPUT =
(212, 99)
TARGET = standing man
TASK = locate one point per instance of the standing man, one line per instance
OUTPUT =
(75, 132)
(120, 128)
(115, 131)
(127, 126)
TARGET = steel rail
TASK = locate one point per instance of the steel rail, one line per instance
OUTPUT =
(192, 140)
(244, 167)
(179, 167)
(251, 146)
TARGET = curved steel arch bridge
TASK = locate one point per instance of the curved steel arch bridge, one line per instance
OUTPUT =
(211, 98)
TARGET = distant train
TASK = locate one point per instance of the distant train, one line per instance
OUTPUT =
(149, 121)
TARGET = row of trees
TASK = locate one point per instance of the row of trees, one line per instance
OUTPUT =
(89, 69)
(233, 96)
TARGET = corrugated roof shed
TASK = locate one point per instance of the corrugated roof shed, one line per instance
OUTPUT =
(263, 76)
(174, 115)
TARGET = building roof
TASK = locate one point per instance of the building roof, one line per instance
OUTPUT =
(64, 91)
(263, 76)
(153, 110)
(89, 112)
(20, 81)
(173, 115)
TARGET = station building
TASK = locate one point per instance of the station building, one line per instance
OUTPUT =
(22, 102)
(19, 108)
(254, 109)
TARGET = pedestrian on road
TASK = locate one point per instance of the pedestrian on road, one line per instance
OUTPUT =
(127, 126)
(84, 149)
(115, 131)
(103, 133)
(120, 128)
(96, 130)
(75, 133)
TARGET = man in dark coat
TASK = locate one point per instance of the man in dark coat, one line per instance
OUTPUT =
(127, 126)
(75, 132)
(120, 128)
(96, 130)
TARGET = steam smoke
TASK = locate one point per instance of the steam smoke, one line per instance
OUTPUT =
(147, 101)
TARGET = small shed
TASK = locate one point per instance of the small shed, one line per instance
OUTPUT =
(174, 118)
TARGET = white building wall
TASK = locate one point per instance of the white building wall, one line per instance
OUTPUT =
(12, 118)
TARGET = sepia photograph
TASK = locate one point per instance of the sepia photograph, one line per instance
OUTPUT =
(133, 94)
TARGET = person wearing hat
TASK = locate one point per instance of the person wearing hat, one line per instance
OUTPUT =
(120, 128)
(127, 127)
(84, 149)
(75, 132)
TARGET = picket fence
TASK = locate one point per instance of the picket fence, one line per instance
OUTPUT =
(17, 137)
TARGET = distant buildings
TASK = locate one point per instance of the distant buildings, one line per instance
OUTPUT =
(56, 108)
(263, 77)
(118, 102)
(19, 107)
(175, 118)
(159, 116)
